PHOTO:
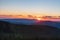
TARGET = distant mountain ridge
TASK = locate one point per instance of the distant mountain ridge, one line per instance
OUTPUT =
(50, 23)
(33, 22)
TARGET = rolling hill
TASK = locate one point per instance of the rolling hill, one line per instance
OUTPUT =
(29, 31)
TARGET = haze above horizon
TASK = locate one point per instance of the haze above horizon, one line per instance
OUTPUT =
(30, 7)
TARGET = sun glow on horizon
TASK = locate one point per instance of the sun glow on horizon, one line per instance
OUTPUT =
(38, 18)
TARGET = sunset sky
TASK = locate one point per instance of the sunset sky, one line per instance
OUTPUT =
(30, 7)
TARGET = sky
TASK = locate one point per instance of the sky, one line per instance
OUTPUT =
(30, 7)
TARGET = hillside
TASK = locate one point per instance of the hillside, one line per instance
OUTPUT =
(28, 31)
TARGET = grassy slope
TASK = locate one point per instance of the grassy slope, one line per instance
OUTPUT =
(28, 31)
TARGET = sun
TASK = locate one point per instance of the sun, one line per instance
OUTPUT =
(38, 18)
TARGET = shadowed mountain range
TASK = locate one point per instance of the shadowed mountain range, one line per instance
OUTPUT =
(29, 31)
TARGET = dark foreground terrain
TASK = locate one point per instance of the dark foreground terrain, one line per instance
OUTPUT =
(9, 31)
